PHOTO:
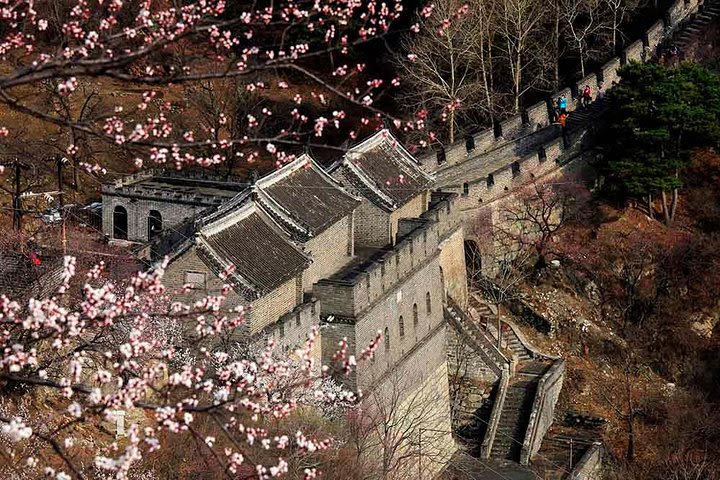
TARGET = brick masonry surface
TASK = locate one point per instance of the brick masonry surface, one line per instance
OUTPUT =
(138, 212)
(330, 251)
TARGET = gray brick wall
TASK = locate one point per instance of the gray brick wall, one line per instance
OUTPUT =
(634, 52)
(270, 307)
(511, 127)
(590, 80)
(404, 298)
(484, 141)
(455, 153)
(538, 115)
(413, 208)
(452, 262)
(292, 329)
(677, 10)
(189, 261)
(655, 34)
(138, 211)
(610, 72)
(259, 312)
(330, 251)
(372, 225)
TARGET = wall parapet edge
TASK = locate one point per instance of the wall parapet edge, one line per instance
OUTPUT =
(590, 464)
(539, 113)
(498, 403)
(358, 287)
(541, 415)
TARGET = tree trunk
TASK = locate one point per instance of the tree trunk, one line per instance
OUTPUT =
(650, 205)
(614, 32)
(666, 213)
(556, 63)
(76, 180)
(452, 125)
(518, 81)
(582, 60)
(630, 452)
(486, 83)
(673, 205)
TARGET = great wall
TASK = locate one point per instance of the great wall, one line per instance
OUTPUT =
(489, 165)
(485, 170)
(411, 264)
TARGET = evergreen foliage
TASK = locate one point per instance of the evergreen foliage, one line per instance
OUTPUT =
(657, 115)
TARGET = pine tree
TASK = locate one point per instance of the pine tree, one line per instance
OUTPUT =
(657, 115)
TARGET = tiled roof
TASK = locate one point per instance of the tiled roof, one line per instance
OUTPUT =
(249, 240)
(305, 192)
(18, 275)
(384, 172)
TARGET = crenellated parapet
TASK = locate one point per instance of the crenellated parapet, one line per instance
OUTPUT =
(352, 291)
(495, 159)
(185, 187)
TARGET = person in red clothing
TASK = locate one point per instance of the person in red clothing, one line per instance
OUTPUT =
(562, 120)
(586, 96)
(35, 259)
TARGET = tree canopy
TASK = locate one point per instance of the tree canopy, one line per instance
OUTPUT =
(657, 114)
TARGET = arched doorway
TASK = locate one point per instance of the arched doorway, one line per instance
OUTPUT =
(473, 260)
(154, 224)
(120, 223)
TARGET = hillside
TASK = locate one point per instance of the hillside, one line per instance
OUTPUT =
(634, 312)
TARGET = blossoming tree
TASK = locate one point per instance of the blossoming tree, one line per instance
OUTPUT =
(99, 346)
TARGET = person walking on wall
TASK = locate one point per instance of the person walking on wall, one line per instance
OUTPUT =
(562, 120)
(600, 97)
(586, 96)
(562, 104)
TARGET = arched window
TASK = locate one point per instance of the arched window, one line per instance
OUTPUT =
(466, 188)
(154, 224)
(387, 339)
(515, 169)
(428, 303)
(490, 180)
(401, 326)
(415, 315)
(120, 223)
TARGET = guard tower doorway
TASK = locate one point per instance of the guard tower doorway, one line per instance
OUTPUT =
(120, 223)
(154, 224)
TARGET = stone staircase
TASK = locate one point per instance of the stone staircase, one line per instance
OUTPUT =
(476, 337)
(515, 415)
(709, 12)
(514, 344)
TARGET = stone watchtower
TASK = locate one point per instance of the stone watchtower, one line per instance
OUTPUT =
(138, 207)
(410, 257)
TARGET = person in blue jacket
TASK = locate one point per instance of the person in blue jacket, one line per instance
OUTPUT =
(562, 104)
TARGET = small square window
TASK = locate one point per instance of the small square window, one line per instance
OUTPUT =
(196, 279)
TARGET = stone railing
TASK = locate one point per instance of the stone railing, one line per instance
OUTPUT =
(521, 127)
(498, 404)
(588, 468)
(541, 415)
(475, 338)
(534, 352)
